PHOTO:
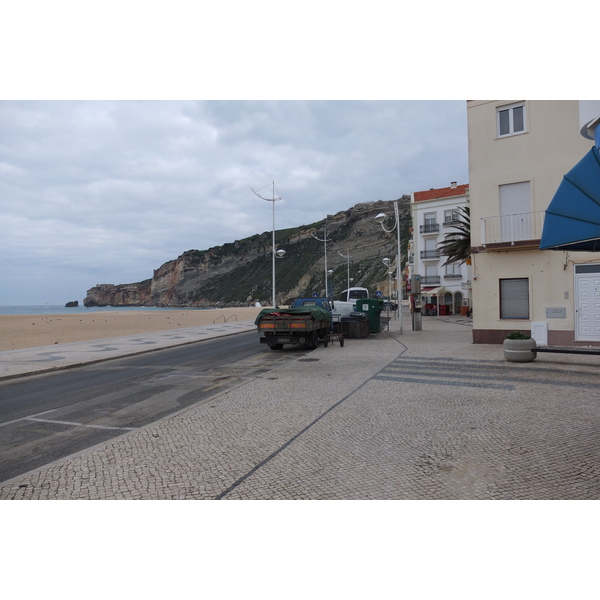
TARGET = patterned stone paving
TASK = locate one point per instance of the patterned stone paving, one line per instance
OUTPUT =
(423, 415)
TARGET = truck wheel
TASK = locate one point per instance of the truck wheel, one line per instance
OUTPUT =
(312, 342)
(276, 346)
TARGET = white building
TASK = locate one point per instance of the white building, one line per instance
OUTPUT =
(519, 152)
(434, 211)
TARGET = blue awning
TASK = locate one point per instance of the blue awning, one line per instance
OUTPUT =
(572, 220)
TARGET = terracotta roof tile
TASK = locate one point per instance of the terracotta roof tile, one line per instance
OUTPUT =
(446, 192)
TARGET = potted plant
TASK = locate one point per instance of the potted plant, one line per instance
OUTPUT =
(519, 347)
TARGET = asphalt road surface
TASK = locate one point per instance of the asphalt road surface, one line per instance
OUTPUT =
(46, 417)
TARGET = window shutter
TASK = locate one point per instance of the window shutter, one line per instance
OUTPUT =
(514, 298)
(515, 208)
(515, 198)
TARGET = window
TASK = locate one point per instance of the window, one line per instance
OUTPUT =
(431, 275)
(514, 298)
(453, 271)
(430, 225)
(451, 216)
(431, 250)
(587, 269)
(510, 119)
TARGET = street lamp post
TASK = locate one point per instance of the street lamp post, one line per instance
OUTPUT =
(380, 218)
(347, 257)
(386, 262)
(324, 240)
(273, 199)
(279, 254)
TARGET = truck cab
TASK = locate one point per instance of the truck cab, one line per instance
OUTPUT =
(322, 302)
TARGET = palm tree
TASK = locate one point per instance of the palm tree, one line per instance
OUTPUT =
(457, 245)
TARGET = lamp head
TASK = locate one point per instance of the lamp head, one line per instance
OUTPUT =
(280, 253)
(380, 218)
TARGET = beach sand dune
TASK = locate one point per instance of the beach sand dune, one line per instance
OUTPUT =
(32, 331)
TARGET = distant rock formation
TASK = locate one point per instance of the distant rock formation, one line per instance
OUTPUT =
(73, 304)
(239, 273)
(128, 294)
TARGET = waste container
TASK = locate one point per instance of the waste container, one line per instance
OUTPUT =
(355, 325)
(443, 310)
(373, 308)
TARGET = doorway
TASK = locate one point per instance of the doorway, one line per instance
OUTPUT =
(587, 303)
(458, 300)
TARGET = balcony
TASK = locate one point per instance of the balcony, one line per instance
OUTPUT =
(429, 254)
(452, 222)
(453, 276)
(430, 280)
(520, 230)
(429, 228)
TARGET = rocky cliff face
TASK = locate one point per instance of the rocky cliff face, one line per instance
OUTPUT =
(239, 273)
(127, 294)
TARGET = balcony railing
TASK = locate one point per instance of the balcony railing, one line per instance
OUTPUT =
(430, 280)
(425, 254)
(509, 229)
(452, 222)
(429, 228)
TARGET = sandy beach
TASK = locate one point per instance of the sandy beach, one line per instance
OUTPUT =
(32, 331)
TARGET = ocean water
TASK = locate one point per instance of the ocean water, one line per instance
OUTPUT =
(48, 309)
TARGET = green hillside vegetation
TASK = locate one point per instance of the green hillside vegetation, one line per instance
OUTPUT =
(303, 261)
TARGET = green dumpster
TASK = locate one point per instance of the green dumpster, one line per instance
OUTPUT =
(373, 307)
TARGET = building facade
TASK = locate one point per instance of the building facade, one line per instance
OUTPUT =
(445, 289)
(519, 152)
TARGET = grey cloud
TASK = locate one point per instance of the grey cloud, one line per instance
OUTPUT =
(114, 189)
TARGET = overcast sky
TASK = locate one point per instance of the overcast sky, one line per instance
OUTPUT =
(100, 191)
(106, 191)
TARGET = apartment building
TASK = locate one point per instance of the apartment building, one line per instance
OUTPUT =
(519, 152)
(445, 289)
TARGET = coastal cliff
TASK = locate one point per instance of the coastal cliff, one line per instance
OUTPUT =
(239, 273)
(127, 294)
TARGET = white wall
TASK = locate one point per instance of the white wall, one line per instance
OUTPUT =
(438, 206)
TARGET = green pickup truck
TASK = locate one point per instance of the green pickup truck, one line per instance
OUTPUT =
(306, 322)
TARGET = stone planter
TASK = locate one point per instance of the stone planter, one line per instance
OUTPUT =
(519, 350)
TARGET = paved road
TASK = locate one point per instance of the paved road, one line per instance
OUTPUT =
(46, 417)
(422, 415)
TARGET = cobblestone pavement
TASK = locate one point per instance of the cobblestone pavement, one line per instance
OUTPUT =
(418, 415)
